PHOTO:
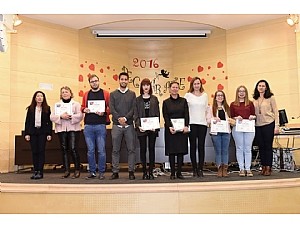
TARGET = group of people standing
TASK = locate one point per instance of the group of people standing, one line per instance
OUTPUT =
(127, 111)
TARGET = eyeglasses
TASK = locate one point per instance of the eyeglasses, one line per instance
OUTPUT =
(220, 95)
(94, 81)
(242, 91)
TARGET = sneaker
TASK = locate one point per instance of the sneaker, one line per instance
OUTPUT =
(101, 176)
(249, 173)
(114, 176)
(242, 173)
(91, 176)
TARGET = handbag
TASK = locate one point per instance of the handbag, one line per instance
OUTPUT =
(283, 157)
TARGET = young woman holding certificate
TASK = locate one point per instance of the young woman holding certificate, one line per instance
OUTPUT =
(67, 117)
(267, 123)
(176, 115)
(198, 106)
(220, 131)
(38, 130)
(146, 118)
(242, 110)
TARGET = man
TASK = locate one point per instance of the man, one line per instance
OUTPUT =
(122, 103)
(95, 121)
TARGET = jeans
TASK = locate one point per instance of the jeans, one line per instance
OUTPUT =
(95, 136)
(221, 144)
(243, 144)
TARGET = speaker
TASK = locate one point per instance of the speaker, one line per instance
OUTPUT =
(282, 117)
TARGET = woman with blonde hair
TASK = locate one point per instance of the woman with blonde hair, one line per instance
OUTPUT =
(242, 108)
(67, 126)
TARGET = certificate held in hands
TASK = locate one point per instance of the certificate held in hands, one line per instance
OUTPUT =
(96, 106)
(245, 125)
(61, 108)
(178, 124)
(220, 126)
(150, 123)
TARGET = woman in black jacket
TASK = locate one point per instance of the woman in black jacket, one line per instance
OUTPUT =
(147, 105)
(38, 130)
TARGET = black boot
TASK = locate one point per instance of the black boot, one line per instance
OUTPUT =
(200, 173)
(33, 175)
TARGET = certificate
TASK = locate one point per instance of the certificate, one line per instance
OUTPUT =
(96, 106)
(245, 125)
(61, 108)
(150, 123)
(178, 124)
(220, 126)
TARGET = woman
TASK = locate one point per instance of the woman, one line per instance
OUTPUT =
(67, 125)
(147, 105)
(38, 130)
(175, 109)
(267, 123)
(197, 102)
(220, 111)
(241, 109)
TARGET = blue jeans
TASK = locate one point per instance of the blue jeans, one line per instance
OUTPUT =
(221, 144)
(243, 144)
(95, 136)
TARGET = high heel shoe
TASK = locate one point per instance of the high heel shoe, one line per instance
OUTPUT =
(66, 175)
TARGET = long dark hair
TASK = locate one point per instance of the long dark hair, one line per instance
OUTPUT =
(45, 106)
(267, 93)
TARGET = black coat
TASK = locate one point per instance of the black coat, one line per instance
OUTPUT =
(139, 112)
(175, 108)
(46, 124)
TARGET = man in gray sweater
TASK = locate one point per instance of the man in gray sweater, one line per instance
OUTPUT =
(122, 103)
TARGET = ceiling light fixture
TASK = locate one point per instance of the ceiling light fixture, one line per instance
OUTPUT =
(151, 33)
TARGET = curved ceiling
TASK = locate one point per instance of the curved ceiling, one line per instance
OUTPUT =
(154, 21)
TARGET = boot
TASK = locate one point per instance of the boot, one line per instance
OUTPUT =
(268, 171)
(76, 174)
(225, 173)
(220, 171)
(195, 173)
(263, 170)
(66, 174)
(200, 173)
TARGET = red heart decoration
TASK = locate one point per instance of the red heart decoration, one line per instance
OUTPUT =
(203, 81)
(209, 67)
(81, 93)
(101, 70)
(200, 68)
(220, 87)
(89, 75)
(81, 65)
(92, 67)
(189, 78)
(115, 77)
(80, 78)
(104, 83)
(219, 65)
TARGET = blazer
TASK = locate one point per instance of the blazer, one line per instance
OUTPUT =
(46, 124)
(139, 112)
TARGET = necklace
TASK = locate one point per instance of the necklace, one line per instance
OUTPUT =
(259, 105)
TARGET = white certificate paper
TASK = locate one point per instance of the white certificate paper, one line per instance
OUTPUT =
(150, 123)
(178, 124)
(61, 108)
(96, 106)
(221, 126)
(245, 125)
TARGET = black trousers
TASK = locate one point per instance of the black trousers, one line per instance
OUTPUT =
(69, 144)
(197, 137)
(151, 147)
(264, 136)
(38, 144)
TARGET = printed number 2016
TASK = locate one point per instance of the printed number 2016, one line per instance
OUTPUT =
(145, 63)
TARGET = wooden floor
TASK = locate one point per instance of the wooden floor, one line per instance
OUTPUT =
(278, 193)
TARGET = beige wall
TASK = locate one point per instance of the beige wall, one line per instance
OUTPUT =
(47, 53)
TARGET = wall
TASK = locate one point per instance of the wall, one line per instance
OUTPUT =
(47, 53)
